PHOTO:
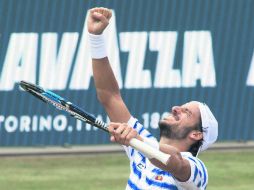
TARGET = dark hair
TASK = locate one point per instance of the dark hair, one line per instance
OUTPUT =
(195, 146)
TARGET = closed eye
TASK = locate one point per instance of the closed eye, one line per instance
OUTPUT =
(188, 112)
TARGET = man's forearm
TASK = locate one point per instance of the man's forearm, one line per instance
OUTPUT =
(105, 81)
(177, 165)
(174, 157)
(108, 91)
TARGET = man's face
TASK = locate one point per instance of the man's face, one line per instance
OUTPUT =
(180, 121)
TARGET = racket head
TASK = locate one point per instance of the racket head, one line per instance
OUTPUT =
(32, 89)
(44, 95)
(61, 104)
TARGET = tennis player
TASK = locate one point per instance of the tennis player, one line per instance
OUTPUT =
(188, 128)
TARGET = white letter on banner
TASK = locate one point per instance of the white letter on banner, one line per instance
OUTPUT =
(165, 44)
(60, 123)
(25, 122)
(198, 61)
(1, 120)
(135, 43)
(11, 124)
(20, 60)
(250, 79)
(55, 67)
(35, 123)
(45, 123)
(82, 71)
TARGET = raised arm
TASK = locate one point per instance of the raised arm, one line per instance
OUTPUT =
(109, 95)
(105, 82)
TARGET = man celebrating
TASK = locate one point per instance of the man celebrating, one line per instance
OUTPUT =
(188, 129)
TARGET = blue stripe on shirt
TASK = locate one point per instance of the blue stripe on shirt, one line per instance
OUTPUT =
(132, 185)
(162, 185)
(141, 155)
(135, 125)
(140, 131)
(192, 159)
(132, 151)
(160, 172)
(136, 171)
(199, 184)
(203, 168)
(195, 173)
(200, 173)
(149, 135)
(143, 160)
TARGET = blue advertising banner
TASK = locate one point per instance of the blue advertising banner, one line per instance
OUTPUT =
(163, 53)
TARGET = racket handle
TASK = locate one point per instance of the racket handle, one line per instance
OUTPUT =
(149, 151)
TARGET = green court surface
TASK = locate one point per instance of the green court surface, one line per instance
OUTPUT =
(227, 170)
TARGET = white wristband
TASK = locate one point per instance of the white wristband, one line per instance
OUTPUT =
(97, 46)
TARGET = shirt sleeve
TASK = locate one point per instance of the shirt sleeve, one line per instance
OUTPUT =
(144, 133)
(199, 176)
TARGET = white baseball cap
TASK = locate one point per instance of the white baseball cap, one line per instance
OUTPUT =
(209, 126)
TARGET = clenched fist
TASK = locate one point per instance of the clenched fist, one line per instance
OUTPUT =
(98, 20)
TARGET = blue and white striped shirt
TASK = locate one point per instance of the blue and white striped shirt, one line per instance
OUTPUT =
(144, 175)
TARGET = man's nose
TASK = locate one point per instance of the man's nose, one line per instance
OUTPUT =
(176, 109)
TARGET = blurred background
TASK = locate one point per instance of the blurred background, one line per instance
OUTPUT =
(163, 52)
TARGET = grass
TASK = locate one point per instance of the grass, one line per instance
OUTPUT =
(230, 170)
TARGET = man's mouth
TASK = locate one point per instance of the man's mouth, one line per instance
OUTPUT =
(171, 115)
(176, 117)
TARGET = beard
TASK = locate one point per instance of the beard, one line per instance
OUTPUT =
(173, 131)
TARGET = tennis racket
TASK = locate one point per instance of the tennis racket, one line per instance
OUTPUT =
(78, 113)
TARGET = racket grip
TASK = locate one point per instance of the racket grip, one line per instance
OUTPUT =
(149, 151)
